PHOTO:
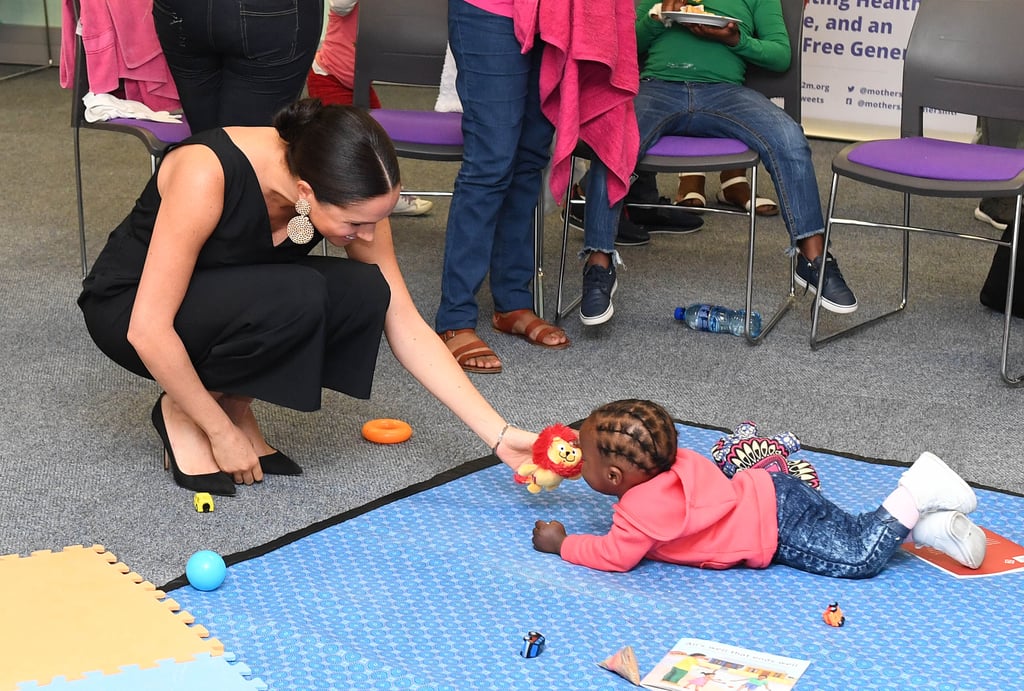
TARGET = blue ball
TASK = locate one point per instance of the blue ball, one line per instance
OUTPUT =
(206, 570)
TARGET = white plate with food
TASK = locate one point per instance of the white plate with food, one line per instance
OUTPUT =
(705, 18)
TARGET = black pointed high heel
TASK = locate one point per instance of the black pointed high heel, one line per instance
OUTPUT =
(219, 483)
(278, 464)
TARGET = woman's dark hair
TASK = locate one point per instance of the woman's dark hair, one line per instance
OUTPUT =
(342, 152)
(642, 432)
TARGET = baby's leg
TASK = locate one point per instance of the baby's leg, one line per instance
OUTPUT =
(817, 536)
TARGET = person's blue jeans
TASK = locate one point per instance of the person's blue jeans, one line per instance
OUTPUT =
(237, 62)
(506, 148)
(818, 537)
(717, 110)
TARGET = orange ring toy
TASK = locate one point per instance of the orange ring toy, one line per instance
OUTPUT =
(387, 430)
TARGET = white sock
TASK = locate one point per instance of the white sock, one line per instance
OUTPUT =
(902, 506)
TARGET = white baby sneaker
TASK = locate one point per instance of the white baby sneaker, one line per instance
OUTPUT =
(936, 487)
(954, 534)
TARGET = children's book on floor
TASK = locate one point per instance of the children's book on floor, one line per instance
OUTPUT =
(710, 666)
(1002, 556)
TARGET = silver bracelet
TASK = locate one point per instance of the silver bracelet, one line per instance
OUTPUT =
(501, 435)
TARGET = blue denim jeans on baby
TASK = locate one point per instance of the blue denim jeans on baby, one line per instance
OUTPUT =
(817, 536)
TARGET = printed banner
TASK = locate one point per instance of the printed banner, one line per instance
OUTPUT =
(853, 71)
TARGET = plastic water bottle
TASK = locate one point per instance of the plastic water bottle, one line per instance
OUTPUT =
(718, 319)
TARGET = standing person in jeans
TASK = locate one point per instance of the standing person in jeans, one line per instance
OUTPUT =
(703, 95)
(506, 146)
(237, 62)
(333, 72)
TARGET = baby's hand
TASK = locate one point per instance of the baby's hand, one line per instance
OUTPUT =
(548, 536)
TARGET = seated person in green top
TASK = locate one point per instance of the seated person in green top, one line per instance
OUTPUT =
(691, 83)
(677, 506)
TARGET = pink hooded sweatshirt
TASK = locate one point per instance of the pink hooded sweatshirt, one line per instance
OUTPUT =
(691, 514)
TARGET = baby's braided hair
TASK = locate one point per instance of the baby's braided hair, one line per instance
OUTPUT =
(642, 432)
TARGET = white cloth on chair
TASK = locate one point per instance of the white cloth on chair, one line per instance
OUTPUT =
(107, 107)
(122, 51)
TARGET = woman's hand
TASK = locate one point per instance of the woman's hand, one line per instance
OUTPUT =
(516, 447)
(548, 536)
(236, 457)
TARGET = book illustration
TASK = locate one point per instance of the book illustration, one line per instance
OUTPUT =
(1002, 556)
(710, 666)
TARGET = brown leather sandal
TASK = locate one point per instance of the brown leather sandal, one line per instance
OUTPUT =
(526, 324)
(465, 345)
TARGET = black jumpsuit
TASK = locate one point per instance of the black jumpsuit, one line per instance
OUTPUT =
(257, 320)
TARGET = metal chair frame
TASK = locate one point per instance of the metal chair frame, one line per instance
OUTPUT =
(143, 130)
(954, 62)
(49, 50)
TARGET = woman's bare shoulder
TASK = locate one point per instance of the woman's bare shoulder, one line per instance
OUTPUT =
(194, 168)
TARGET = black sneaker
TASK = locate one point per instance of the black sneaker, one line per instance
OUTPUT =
(629, 234)
(994, 221)
(996, 211)
(599, 286)
(836, 296)
(669, 219)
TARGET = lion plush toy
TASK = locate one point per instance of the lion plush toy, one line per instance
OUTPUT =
(555, 458)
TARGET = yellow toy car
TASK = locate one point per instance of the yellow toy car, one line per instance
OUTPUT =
(203, 502)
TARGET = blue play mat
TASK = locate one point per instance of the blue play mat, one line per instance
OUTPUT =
(436, 589)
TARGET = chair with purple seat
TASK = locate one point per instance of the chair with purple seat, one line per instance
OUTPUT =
(156, 136)
(405, 44)
(962, 57)
(673, 154)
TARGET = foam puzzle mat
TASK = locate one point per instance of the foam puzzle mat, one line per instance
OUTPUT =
(80, 619)
(435, 591)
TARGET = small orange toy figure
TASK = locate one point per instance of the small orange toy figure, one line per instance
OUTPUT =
(833, 616)
(555, 458)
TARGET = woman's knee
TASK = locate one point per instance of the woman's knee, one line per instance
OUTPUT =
(347, 284)
(787, 138)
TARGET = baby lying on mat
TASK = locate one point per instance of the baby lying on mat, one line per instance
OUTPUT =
(676, 506)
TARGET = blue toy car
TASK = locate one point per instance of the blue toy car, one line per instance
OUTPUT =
(533, 644)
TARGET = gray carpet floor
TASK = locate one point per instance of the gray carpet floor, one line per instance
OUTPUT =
(80, 463)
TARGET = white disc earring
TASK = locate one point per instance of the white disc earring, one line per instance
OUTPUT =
(300, 228)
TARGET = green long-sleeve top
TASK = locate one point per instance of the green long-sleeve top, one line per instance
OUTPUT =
(673, 54)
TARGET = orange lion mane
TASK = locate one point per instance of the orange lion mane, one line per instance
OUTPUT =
(546, 472)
